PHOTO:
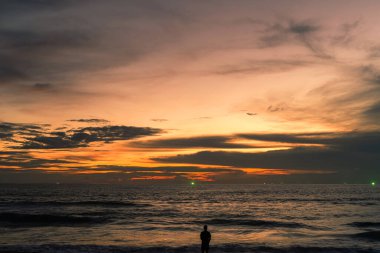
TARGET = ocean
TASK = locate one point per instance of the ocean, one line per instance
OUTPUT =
(241, 218)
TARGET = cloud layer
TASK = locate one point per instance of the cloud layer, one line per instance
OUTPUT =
(243, 91)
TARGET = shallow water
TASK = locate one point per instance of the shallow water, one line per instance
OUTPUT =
(241, 218)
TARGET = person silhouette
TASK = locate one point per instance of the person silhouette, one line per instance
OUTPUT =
(206, 238)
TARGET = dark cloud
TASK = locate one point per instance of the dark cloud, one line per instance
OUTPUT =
(8, 130)
(33, 42)
(114, 133)
(5, 135)
(24, 161)
(352, 155)
(368, 142)
(302, 28)
(52, 142)
(90, 120)
(28, 55)
(8, 126)
(299, 138)
(10, 73)
(346, 141)
(281, 32)
(14, 6)
(39, 136)
(83, 136)
(302, 32)
(370, 74)
(373, 111)
(301, 158)
(193, 142)
(42, 86)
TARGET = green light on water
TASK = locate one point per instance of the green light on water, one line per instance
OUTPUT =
(193, 183)
(373, 183)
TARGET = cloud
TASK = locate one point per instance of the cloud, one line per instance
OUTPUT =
(64, 43)
(303, 32)
(113, 133)
(277, 107)
(346, 34)
(28, 54)
(39, 136)
(42, 86)
(354, 141)
(51, 142)
(349, 101)
(354, 155)
(328, 157)
(14, 6)
(301, 158)
(261, 66)
(83, 136)
(79, 37)
(193, 142)
(356, 102)
(159, 120)
(8, 129)
(373, 111)
(299, 138)
(90, 120)
(23, 160)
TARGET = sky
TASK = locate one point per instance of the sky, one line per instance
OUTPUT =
(146, 92)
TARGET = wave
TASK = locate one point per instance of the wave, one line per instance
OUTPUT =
(332, 200)
(256, 223)
(74, 203)
(369, 235)
(35, 220)
(231, 248)
(365, 224)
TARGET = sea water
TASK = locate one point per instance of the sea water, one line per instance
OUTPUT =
(241, 218)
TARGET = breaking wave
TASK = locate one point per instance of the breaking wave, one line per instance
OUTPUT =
(27, 220)
(256, 223)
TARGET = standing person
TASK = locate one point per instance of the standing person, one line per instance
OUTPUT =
(206, 238)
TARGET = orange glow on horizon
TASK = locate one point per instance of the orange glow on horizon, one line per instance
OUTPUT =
(153, 178)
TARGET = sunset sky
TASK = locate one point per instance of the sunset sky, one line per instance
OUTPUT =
(174, 91)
